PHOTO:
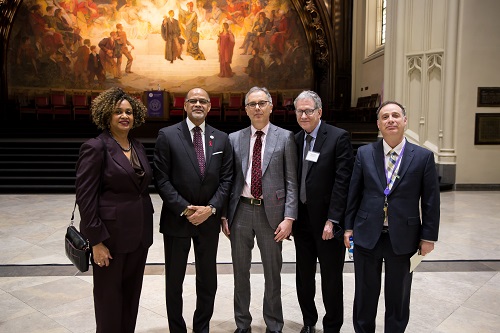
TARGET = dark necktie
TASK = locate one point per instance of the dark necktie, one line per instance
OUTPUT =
(198, 147)
(305, 165)
(256, 186)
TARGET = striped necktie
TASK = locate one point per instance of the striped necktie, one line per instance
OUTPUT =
(391, 164)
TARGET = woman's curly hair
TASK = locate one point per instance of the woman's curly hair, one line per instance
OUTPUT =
(105, 104)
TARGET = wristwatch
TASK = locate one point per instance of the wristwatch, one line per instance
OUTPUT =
(214, 210)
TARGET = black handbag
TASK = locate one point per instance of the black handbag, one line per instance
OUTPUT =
(77, 247)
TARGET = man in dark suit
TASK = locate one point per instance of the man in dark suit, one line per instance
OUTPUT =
(392, 211)
(325, 167)
(262, 205)
(192, 172)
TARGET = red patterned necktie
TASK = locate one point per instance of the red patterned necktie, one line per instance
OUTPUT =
(198, 147)
(256, 186)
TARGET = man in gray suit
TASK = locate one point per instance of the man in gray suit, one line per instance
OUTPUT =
(262, 203)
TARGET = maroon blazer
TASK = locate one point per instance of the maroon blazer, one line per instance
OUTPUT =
(115, 207)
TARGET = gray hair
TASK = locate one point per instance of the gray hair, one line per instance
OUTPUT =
(257, 89)
(308, 94)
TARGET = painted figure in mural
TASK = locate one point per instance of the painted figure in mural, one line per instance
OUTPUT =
(36, 21)
(133, 22)
(171, 34)
(216, 15)
(49, 17)
(94, 67)
(64, 28)
(201, 11)
(273, 72)
(189, 20)
(109, 10)
(279, 37)
(124, 43)
(235, 12)
(258, 30)
(82, 59)
(46, 38)
(107, 52)
(86, 13)
(226, 47)
(255, 69)
(26, 59)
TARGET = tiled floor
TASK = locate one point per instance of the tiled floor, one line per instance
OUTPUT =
(457, 290)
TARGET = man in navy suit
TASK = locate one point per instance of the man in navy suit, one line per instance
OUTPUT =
(192, 172)
(324, 170)
(392, 211)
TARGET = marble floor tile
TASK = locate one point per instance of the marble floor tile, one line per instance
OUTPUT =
(455, 290)
(465, 320)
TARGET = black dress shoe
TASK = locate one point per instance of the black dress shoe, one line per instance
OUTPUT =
(243, 330)
(308, 329)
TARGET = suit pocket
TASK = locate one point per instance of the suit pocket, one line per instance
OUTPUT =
(362, 214)
(280, 194)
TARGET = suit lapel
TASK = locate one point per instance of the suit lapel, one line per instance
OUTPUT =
(300, 150)
(187, 142)
(244, 148)
(209, 144)
(271, 142)
(318, 144)
(379, 162)
(143, 158)
(119, 157)
(408, 154)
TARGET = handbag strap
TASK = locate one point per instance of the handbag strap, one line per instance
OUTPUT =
(73, 215)
(100, 179)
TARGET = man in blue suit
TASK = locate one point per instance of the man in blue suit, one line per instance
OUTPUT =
(392, 211)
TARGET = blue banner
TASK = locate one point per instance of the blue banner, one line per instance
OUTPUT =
(155, 103)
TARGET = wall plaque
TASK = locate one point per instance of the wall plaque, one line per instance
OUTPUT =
(487, 129)
(488, 96)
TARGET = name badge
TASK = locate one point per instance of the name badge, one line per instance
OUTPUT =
(312, 156)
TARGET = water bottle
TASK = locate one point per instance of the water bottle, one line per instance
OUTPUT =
(350, 252)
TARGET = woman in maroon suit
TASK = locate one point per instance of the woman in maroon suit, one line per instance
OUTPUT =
(112, 179)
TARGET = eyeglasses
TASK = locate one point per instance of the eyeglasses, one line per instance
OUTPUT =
(307, 112)
(253, 105)
(202, 101)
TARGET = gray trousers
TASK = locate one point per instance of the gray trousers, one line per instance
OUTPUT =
(250, 221)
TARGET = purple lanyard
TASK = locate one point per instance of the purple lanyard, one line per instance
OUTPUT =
(388, 178)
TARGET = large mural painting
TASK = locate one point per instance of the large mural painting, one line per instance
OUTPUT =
(167, 44)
